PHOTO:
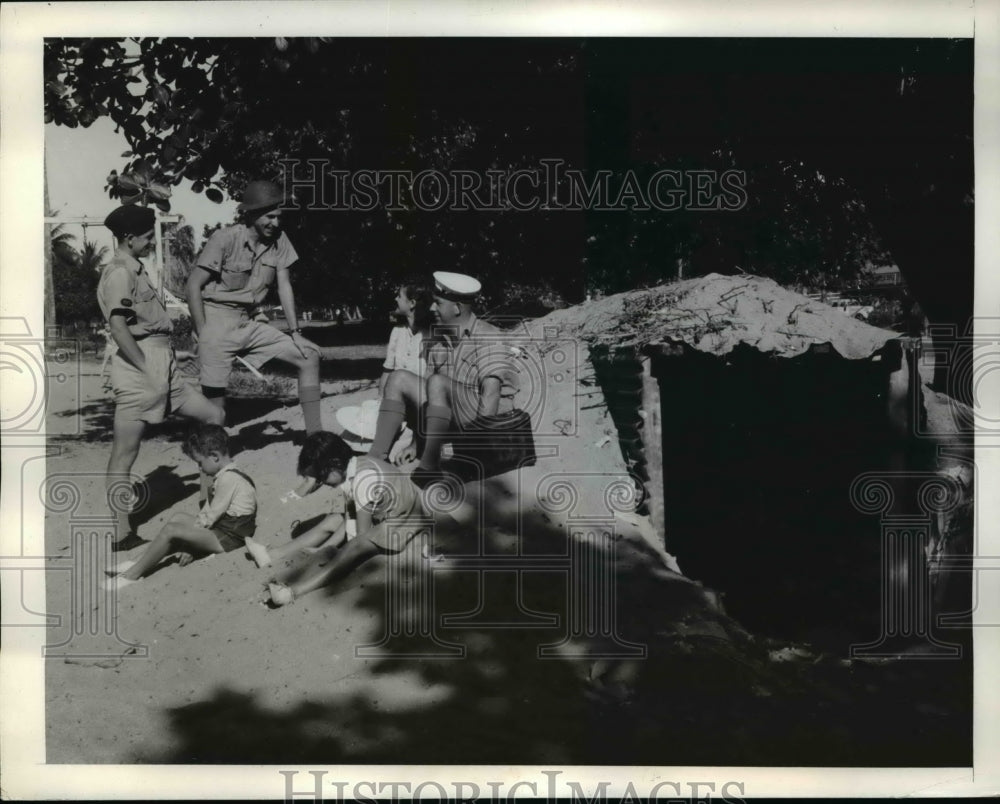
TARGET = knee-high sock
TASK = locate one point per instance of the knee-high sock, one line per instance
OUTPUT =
(309, 397)
(390, 416)
(437, 427)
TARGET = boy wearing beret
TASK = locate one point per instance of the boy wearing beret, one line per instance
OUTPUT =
(144, 376)
(232, 276)
(474, 376)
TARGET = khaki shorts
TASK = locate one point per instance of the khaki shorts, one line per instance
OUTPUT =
(149, 396)
(229, 333)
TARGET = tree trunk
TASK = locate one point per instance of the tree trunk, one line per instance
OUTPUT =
(50, 300)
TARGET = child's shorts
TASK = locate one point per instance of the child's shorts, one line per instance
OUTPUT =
(233, 531)
(149, 396)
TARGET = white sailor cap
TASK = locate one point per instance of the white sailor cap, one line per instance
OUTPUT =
(456, 287)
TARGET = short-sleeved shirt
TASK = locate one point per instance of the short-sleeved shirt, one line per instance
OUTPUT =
(242, 268)
(482, 350)
(406, 351)
(385, 491)
(232, 493)
(124, 288)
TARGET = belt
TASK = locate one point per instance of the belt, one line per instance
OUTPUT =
(153, 338)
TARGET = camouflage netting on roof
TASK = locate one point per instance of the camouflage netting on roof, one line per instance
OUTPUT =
(714, 314)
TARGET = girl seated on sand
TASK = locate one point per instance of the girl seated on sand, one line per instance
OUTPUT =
(358, 423)
(391, 512)
(226, 520)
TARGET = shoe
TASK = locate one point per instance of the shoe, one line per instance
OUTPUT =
(258, 553)
(281, 595)
(117, 583)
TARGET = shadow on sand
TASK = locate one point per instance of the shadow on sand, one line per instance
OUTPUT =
(706, 692)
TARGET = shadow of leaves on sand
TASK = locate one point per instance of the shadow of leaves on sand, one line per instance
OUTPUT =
(705, 694)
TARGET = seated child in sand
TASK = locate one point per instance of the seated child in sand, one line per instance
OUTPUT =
(226, 520)
(391, 510)
(320, 455)
(358, 423)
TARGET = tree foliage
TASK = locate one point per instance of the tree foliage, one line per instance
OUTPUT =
(179, 257)
(75, 276)
(838, 142)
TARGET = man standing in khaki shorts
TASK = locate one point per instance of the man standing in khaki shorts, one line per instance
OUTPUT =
(144, 375)
(232, 276)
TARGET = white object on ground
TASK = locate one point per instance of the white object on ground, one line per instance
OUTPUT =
(258, 553)
(281, 595)
(118, 583)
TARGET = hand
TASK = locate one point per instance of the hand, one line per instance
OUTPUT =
(184, 358)
(404, 450)
(302, 343)
(183, 559)
(405, 455)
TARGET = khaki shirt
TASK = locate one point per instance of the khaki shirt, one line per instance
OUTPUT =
(124, 289)
(482, 350)
(242, 268)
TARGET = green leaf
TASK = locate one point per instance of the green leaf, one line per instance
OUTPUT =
(133, 128)
(128, 184)
(143, 170)
(214, 195)
(158, 191)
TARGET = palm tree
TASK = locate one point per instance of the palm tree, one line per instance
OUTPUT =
(61, 244)
(93, 256)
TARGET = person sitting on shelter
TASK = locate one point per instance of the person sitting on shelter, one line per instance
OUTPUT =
(232, 276)
(145, 378)
(475, 377)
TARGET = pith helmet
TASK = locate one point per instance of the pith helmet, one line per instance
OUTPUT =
(261, 195)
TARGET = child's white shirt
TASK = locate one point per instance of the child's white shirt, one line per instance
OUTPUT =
(231, 494)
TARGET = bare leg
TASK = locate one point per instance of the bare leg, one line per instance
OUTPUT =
(332, 529)
(313, 539)
(204, 409)
(355, 553)
(217, 401)
(180, 533)
(124, 451)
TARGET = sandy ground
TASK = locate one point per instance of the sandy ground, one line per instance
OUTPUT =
(421, 661)
(194, 667)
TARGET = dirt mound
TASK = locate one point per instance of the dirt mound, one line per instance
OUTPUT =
(715, 313)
